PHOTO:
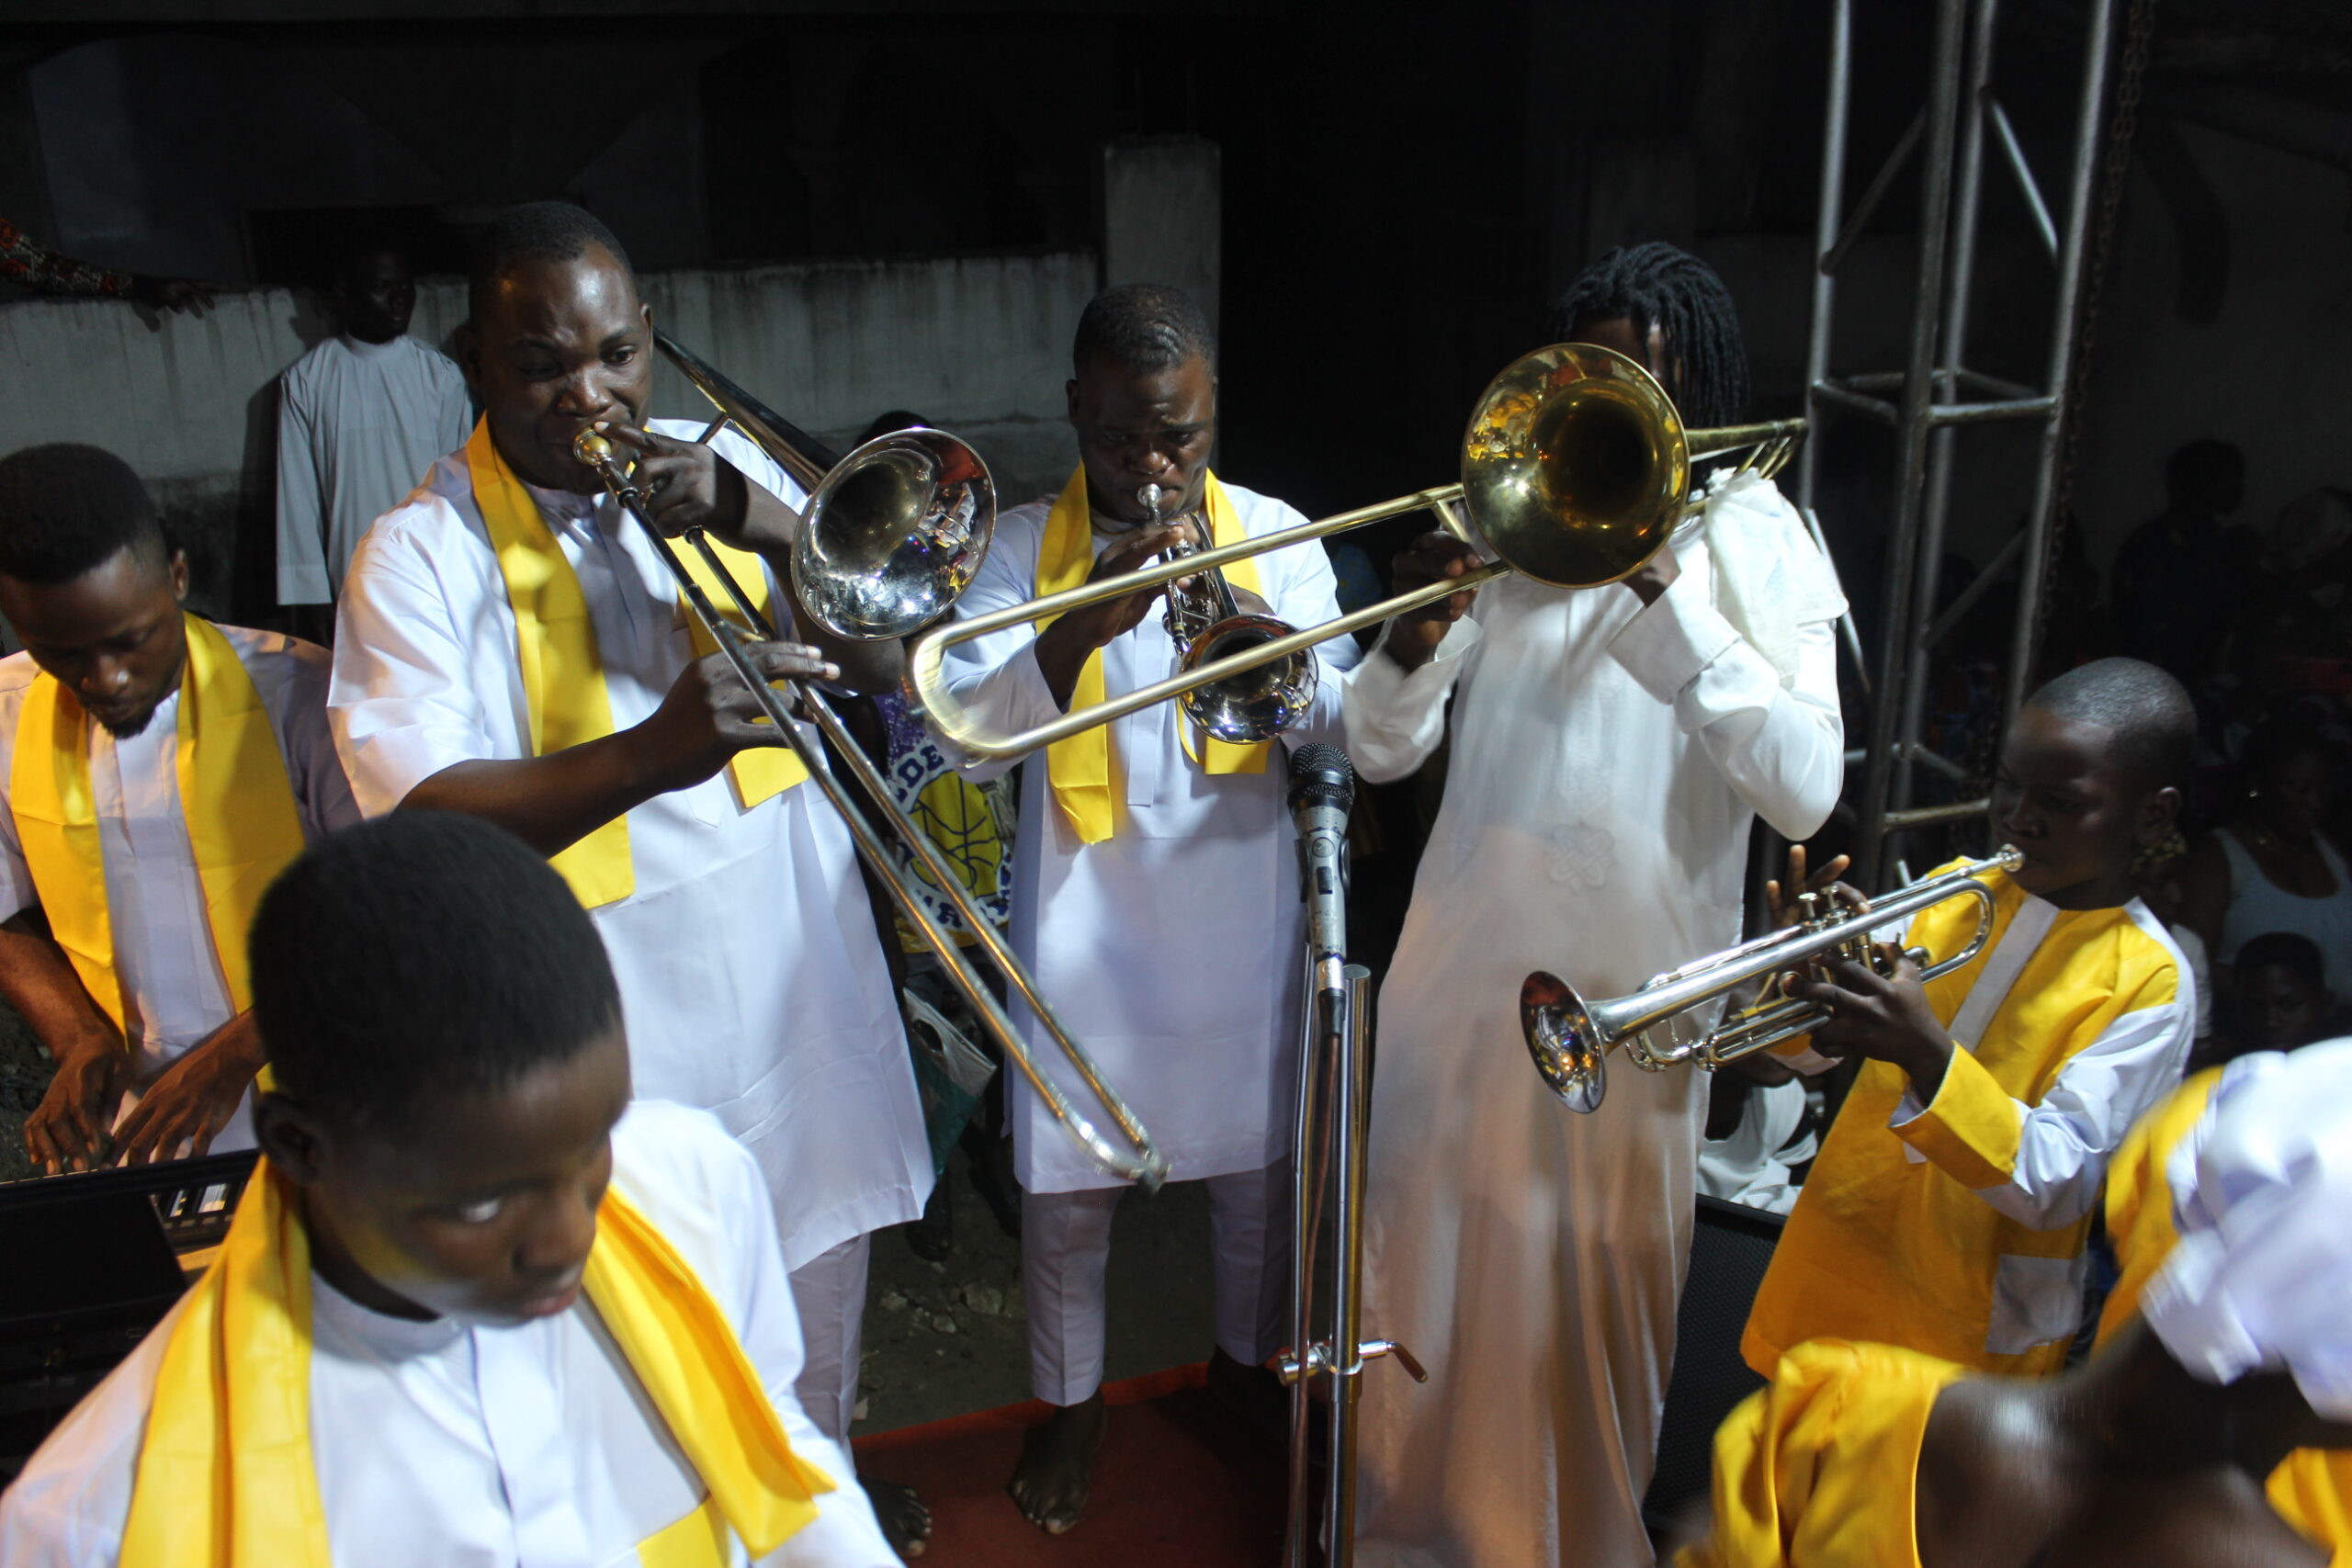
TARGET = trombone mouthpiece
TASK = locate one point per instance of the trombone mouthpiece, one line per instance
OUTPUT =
(591, 447)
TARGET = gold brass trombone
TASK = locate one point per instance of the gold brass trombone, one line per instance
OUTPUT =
(889, 538)
(1576, 469)
(1571, 1038)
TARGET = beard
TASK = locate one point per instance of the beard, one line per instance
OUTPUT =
(129, 727)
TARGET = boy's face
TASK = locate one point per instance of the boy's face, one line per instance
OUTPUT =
(2278, 1009)
(2061, 798)
(483, 1212)
(113, 636)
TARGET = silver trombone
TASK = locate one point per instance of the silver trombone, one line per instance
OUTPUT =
(1570, 1038)
(889, 537)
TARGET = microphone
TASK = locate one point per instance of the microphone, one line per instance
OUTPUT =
(1322, 792)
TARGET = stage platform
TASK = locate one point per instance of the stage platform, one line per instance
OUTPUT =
(1182, 1482)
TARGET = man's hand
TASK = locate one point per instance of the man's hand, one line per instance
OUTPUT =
(1882, 1017)
(1658, 575)
(1063, 648)
(68, 1130)
(194, 1097)
(1782, 914)
(685, 484)
(1434, 556)
(709, 715)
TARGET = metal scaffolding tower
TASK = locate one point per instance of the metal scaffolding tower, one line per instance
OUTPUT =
(1936, 394)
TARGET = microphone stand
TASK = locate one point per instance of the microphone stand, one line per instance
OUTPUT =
(1327, 1155)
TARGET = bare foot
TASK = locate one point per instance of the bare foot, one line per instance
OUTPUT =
(906, 1523)
(1058, 1463)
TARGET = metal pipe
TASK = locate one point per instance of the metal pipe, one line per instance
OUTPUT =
(2080, 192)
(1350, 1093)
(1967, 203)
(1868, 407)
(2034, 407)
(1837, 101)
(1879, 185)
(2027, 185)
(1978, 587)
(1929, 815)
(1918, 394)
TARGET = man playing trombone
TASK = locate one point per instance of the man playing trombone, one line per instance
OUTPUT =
(1154, 888)
(1611, 747)
(512, 647)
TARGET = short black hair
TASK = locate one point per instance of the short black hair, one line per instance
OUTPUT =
(542, 230)
(66, 508)
(1659, 284)
(2148, 713)
(1143, 327)
(2298, 954)
(419, 956)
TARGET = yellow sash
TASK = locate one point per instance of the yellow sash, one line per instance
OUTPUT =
(1080, 768)
(563, 676)
(226, 1477)
(242, 823)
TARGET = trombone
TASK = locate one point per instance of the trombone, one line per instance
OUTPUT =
(1576, 469)
(1571, 1038)
(889, 537)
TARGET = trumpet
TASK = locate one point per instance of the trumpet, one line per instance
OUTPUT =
(1571, 1038)
(1205, 621)
(1575, 471)
(889, 537)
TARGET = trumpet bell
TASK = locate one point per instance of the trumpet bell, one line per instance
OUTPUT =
(1565, 1042)
(1574, 465)
(894, 534)
(1256, 704)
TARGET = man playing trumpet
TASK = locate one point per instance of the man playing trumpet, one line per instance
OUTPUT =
(1154, 888)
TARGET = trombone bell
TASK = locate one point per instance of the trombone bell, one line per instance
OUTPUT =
(894, 534)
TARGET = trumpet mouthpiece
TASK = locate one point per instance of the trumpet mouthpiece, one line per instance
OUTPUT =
(591, 447)
(1149, 497)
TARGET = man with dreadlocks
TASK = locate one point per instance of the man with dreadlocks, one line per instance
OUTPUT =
(1610, 750)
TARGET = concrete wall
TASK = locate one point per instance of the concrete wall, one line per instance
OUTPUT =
(974, 344)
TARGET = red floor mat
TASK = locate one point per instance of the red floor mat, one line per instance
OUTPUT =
(1181, 1483)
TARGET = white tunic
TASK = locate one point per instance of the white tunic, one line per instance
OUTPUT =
(1171, 950)
(440, 1446)
(358, 424)
(1607, 758)
(751, 976)
(174, 992)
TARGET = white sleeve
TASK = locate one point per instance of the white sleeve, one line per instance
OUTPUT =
(1304, 592)
(1782, 749)
(301, 520)
(401, 702)
(1396, 719)
(844, 1533)
(2064, 1143)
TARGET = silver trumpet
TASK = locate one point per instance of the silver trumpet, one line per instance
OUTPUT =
(889, 537)
(1571, 1038)
(1206, 623)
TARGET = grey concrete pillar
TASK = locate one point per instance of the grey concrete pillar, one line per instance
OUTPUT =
(1163, 215)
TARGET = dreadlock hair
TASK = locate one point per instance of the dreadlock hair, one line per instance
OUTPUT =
(65, 508)
(421, 955)
(1143, 327)
(1655, 284)
(537, 230)
(2150, 721)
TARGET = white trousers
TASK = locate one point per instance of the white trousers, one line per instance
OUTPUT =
(828, 1292)
(1066, 1254)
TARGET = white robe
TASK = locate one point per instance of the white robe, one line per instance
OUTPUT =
(440, 1446)
(750, 975)
(358, 424)
(1607, 760)
(1171, 950)
(174, 992)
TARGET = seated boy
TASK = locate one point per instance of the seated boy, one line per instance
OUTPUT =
(469, 1312)
(2156, 1453)
(1948, 1211)
(156, 770)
